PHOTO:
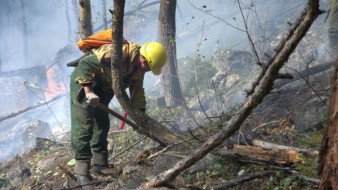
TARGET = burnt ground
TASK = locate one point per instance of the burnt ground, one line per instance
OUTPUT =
(280, 119)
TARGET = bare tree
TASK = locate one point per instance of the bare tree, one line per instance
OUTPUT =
(85, 18)
(167, 30)
(328, 157)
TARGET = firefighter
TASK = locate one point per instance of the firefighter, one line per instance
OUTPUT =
(90, 85)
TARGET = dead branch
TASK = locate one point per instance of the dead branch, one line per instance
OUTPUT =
(67, 172)
(131, 146)
(296, 33)
(132, 11)
(267, 145)
(252, 45)
(266, 124)
(305, 73)
(41, 103)
(243, 179)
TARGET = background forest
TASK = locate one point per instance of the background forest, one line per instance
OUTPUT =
(220, 47)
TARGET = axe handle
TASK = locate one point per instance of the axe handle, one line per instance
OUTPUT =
(120, 117)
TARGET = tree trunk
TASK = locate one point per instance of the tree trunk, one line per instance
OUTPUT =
(104, 14)
(85, 19)
(289, 43)
(68, 23)
(76, 14)
(328, 157)
(25, 34)
(148, 126)
(167, 30)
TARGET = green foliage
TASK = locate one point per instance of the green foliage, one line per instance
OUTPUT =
(4, 183)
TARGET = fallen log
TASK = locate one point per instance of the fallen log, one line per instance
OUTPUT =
(267, 145)
(255, 154)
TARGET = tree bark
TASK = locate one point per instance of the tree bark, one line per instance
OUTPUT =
(296, 33)
(167, 33)
(24, 34)
(147, 125)
(328, 155)
(85, 19)
(76, 14)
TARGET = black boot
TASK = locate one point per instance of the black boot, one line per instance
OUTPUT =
(83, 177)
(100, 164)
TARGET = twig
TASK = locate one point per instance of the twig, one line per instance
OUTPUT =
(252, 45)
(216, 17)
(192, 134)
(67, 172)
(131, 146)
(242, 179)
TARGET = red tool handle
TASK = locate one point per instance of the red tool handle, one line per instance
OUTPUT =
(122, 122)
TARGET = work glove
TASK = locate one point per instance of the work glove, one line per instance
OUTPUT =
(92, 99)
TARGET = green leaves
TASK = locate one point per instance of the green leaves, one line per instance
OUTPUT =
(71, 162)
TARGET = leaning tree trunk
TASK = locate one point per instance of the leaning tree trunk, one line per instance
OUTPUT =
(167, 30)
(25, 34)
(328, 156)
(147, 125)
(85, 19)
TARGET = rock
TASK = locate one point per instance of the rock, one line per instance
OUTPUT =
(136, 182)
(231, 80)
(207, 98)
(36, 129)
(232, 61)
(219, 78)
(129, 169)
(46, 163)
(202, 165)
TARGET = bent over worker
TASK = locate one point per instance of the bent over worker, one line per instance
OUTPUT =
(90, 124)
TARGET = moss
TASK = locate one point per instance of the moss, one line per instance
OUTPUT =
(311, 140)
(308, 167)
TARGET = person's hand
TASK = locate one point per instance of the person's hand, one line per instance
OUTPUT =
(92, 99)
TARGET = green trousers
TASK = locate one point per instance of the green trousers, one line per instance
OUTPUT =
(89, 126)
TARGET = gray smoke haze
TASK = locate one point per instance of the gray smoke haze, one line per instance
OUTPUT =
(47, 33)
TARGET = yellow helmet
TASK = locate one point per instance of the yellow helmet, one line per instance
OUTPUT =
(156, 56)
